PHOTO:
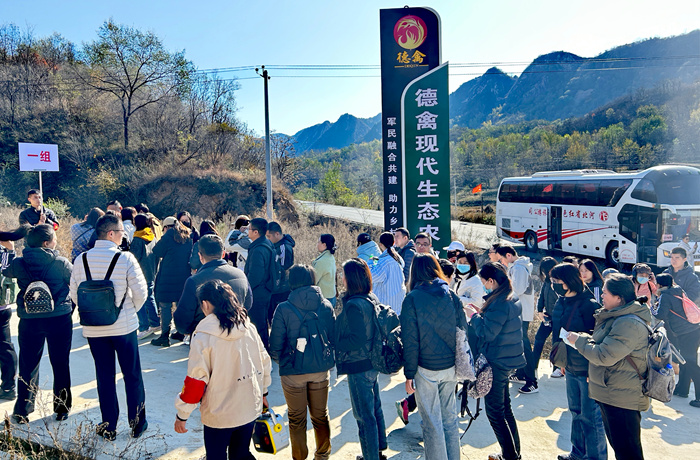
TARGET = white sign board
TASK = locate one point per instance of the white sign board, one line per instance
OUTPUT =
(38, 157)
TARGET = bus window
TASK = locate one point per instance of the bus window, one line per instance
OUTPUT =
(565, 193)
(546, 192)
(509, 192)
(645, 191)
(612, 190)
(526, 192)
(587, 193)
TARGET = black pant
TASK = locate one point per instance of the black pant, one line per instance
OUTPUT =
(528, 372)
(687, 345)
(500, 415)
(126, 349)
(57, 332)
(8, 357)
(258, 316)
(235, 440)
(543, 333)
(623, 429)
(275, 300)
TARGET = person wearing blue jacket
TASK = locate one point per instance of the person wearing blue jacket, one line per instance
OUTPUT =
(496, 332)
(367, 249)
(387, 274)
(430, 316)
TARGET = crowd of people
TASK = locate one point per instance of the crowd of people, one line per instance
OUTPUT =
(242, 301)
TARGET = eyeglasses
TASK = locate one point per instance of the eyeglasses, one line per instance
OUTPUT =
(120, 230)
(423, 245)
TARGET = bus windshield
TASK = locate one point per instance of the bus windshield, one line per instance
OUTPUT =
(668, 186)
(675, 225)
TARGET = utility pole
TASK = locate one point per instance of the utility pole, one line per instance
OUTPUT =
(454, 185)
(268, 161)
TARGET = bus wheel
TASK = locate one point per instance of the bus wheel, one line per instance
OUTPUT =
(531, 241)
(612, 254)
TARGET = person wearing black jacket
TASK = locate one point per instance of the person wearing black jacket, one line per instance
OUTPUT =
(683, 334)
(305, 382)
(37, 213)
(213, 267)
(406, 249)
(354, 333)
(545, 308)
(684, 274)
(141, 247)
(574, 313)
(258, 269)
(40, 262)
(430, 315)
(496, 332)
(284, 252)
(173, 251)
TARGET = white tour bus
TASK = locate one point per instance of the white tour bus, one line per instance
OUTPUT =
(622, 217)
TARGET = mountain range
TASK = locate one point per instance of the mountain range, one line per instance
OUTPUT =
(556, 85)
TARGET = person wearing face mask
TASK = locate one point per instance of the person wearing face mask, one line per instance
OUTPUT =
(496, 331)
(685, 336)
(617, 355)
(645, 283)
(574, 312)
(467, 284)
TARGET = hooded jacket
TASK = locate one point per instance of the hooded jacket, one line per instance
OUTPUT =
(354, 331)
(284, 250)
(142, 248)
(519, 273)
(687, 280)
(30, 267)
(429, 319)
(407, 253)
(580, 309)
(611, 379)
(671, 312)
(188, 314)
(228, 372)
(238, 242)
(497, 333)
(367, 251)
(388, 283)
(286, 326)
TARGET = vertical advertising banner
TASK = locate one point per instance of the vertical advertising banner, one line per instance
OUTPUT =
(425, 155)
(410, 47)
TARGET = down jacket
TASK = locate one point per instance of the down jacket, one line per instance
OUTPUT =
(429, 319)
(497, 333)
(407, 253)
(579, 310)
(611, 379)
(286, 326)
(30, 267)
(687, 280)
(127, 278)
(354, 331)
(174, 266)
(228, 372)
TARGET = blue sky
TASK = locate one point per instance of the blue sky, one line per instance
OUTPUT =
(219, 34)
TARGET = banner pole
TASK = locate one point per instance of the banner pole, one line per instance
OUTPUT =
(41, 188)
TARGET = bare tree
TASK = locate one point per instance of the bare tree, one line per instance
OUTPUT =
(285, 163)
(134, 67)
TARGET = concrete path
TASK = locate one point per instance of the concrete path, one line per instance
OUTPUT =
(480, 235)
(669, 430)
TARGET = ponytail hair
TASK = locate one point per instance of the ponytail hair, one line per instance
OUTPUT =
(329, 241)
(497, 272)
(387, 240)
(227, 308)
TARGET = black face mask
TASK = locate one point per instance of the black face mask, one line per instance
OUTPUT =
(559, 289)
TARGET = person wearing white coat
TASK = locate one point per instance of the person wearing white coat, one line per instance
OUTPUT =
(388, 283)
(467, 284)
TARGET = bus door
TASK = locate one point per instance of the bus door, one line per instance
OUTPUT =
(649, 238)
(554, 227)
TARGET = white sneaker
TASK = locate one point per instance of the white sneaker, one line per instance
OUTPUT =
(147, 333)
(557, 374)
(186, 340)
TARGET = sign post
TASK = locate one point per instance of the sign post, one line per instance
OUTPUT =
(38, 157)
(415, 135)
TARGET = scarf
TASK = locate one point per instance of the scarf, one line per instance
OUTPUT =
(145, 234)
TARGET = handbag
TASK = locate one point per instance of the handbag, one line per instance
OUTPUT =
(464, 359)
(558, 354)
(269, 433)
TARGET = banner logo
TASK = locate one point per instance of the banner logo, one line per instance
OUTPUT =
(410, 32)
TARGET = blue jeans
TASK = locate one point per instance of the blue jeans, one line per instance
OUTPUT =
(435, 395)
(148, 313)
(587, 429)
(367, 409)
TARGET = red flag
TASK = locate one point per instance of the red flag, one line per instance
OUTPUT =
(548, 188)
(476, 189)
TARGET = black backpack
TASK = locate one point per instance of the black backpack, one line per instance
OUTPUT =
(317, 354)
(96, 298)
(387, 348)
(37, 296)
